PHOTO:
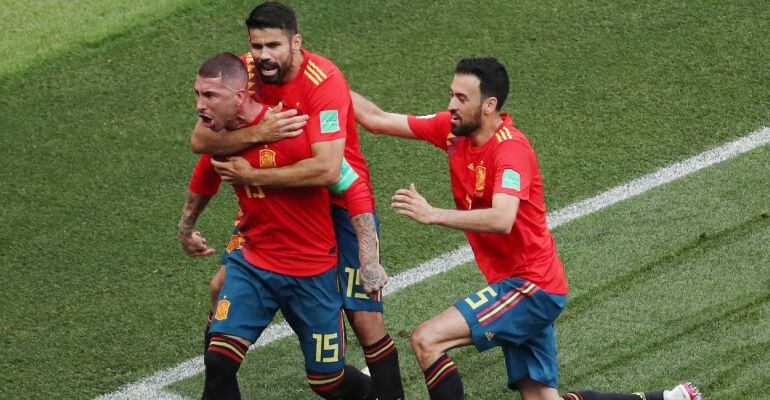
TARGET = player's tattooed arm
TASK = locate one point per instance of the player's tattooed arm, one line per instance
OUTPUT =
(373, 276)
(192, 242)
(275, 125)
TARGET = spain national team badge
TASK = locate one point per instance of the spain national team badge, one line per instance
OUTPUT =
(266, 158)
(481, 176)
(223, 306)
(236, 242)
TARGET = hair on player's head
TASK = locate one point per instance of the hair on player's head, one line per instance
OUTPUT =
(226, 66)
(491, 74)
(272, 14)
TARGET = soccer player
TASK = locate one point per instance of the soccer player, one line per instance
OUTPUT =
(498, 193)
(287, 257)
(280, 71)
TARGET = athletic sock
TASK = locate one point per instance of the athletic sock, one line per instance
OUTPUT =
(589, 395)
(346, 384)
(443, 380)
(223, 359)
(382, 360)
(356, 385)
(206, 333)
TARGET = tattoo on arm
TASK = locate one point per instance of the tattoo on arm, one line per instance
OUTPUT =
(194, 205)
(372, 273)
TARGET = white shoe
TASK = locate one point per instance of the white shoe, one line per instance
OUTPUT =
(684, 391)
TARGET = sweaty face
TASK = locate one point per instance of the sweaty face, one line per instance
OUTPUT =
(273, 52)
(465, 104)
(215, 103)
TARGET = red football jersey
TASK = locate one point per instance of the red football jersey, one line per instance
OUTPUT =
(286, 230)
(321, 91)
(506, 163)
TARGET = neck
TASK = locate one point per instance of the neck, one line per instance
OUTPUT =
(296, 65)
(249, 111)
(487, 129)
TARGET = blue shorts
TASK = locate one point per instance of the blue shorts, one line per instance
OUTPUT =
(353, 296)
(251, 296)
(518, 316)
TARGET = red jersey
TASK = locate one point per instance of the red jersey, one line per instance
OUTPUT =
(321, 91)
(506, 163)
(286, 230)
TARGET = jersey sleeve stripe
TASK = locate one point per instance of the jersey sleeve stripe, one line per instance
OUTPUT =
(314, 72)
(313, 78)
(318, 71)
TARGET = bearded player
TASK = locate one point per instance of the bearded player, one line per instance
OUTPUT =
(498, 192)
(280, 71)
(287, 258)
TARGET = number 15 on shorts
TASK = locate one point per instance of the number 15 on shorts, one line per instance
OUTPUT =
(326, 347)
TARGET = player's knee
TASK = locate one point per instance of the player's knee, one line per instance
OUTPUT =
(423, 339)
(368, 326)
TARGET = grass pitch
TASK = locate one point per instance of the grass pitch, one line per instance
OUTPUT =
(98, 293)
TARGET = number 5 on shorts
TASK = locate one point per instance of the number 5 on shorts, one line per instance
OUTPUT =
(482, 294)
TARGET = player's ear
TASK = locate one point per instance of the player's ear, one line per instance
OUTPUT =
(240, 97)
(490, 105)
(296, 41)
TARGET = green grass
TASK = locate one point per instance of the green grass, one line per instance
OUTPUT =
(654, 300)
(98, 293)
(41, 31)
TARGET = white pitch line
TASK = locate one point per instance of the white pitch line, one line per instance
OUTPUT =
(152, 387)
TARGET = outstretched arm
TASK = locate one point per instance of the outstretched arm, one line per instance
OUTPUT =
(276, 124)
(497, 219)
(322, 169)
(377, 121)
(192, 241)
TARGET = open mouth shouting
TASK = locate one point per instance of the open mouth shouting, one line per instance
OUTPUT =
(270, 71)
(207, 121)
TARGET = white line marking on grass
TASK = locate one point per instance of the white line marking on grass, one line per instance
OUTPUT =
(152, 387)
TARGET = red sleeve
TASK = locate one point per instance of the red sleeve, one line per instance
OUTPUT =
(358, 198)
(513, 168)
(434, 128)
(205, 181)
(328, 109)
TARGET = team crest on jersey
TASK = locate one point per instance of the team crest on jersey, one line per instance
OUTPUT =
(236, 242)
(223, 306)
(266, 158)
(481, 177)
(489, 336)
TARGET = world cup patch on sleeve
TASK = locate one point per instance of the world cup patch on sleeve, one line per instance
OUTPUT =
(511, 179)
(330, 121)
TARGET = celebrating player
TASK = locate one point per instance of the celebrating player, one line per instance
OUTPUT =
(280, 71)
(287, 257)
(498, 192)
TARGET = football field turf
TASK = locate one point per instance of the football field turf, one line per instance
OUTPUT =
(671, 285)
